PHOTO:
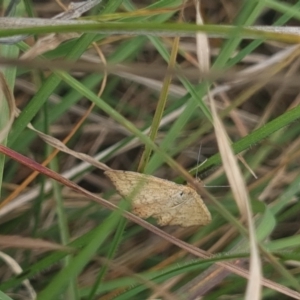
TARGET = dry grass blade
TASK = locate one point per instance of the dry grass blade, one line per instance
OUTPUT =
(15, 267)
(62, 147)
(7, 108)
(16, 241)
(48, 43)
(239, 190)
(203, 53)
(75, 11)
(52, 41)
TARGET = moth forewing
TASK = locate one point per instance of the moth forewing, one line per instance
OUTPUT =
(166, 201)
(127, 186)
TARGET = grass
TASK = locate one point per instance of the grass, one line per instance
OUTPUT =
(147, 119)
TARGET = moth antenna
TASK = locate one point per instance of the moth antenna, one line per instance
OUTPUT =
(198, 160)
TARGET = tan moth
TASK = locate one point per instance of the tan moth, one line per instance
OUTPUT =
(166, 201)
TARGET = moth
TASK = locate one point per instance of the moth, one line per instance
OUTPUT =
(169, 203)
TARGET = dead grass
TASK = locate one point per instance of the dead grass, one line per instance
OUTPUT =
(113, 257)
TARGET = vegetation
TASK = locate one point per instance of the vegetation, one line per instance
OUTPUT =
(129, 83)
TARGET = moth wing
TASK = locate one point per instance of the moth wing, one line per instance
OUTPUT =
(148, 194)
(168, 202)
(127, 183)
(190, 212)
(146, 189)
